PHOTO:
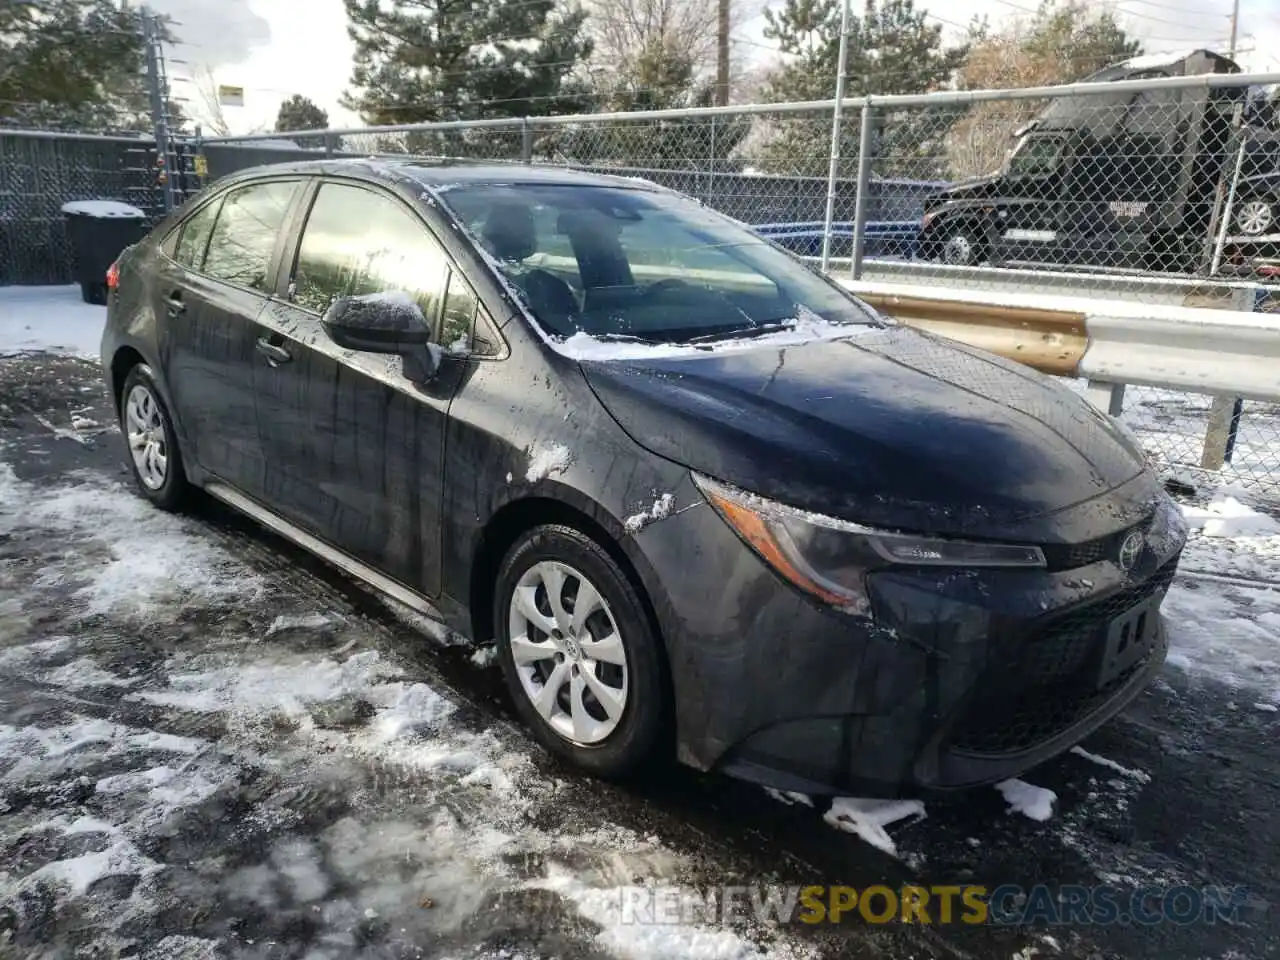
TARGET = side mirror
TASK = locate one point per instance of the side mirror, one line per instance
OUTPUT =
(389, 323)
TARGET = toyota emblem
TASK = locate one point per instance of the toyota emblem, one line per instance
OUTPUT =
(1129, 551)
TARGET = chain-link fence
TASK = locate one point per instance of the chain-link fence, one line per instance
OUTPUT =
(42, 170)
(1165, 168)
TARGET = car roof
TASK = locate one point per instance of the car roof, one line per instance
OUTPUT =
(447, 173)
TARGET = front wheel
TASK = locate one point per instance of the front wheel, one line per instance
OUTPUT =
(581, 658)
(961, 248)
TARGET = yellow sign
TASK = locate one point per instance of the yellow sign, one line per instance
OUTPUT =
(202, 166)
(231, 96)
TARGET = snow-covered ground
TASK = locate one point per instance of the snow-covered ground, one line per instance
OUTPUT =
(191, 730)
(55, 319)
(376, 811)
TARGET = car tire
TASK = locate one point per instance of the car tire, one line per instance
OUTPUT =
(569, 719)
(960, 247)
(1255, 217)
(150, 441)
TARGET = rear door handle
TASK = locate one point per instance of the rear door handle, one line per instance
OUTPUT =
(274, 353)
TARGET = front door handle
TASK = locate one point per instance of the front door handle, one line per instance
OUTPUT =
(274, 353)
(174, 305)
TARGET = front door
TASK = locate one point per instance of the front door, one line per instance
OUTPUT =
(1029, 208)
(211, 296)
(355, 448)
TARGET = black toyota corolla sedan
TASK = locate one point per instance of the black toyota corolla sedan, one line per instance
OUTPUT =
(705, 500)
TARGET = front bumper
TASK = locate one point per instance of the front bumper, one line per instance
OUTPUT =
(960, 678)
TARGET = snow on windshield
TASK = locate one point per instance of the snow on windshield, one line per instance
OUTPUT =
(620, 264)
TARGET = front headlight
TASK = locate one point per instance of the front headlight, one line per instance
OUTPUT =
(829, 558)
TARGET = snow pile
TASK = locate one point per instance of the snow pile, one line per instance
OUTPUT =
(546, 461)
(288, 688)
(1232, 635)
(645, 941)
(103, 210)
(43, 751)
(141, 558)
(50, 319)
(77, 874)
(1227, 516)
(1027, 799)
(303, 621)
(1141, 776)
(83, 674)
(868, 818)
(659, 510)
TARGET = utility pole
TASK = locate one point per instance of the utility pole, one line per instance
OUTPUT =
(722, 57)
(1235, 27)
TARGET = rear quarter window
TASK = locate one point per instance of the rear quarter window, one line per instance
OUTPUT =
(245, 232)
(193, 236)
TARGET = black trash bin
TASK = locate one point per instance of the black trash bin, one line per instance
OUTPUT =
(99, 230)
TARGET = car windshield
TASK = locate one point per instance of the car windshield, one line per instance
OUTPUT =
(614, 262)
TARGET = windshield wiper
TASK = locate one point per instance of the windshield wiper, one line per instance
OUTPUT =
(741, 333)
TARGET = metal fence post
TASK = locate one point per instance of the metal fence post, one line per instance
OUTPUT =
(862, 201)
(711, 165)
(833, 169)
(526, 140)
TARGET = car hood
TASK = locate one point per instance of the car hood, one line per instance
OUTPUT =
(889, 426)
(971, 189)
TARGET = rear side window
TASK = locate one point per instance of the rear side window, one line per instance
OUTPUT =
(244, 235)
(193, 239)
(358, 242)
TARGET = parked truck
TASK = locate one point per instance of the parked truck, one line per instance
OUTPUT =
(1170, 180)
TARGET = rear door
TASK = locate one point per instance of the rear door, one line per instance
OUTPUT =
(227, 255)
(355, 450)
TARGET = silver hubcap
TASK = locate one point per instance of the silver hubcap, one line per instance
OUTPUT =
(568, 652)
(1255, 217)
(958, 251)
(147, 441)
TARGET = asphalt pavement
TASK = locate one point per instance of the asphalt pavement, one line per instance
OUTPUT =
(213, 745)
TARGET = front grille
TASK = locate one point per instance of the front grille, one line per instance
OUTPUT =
(1061, 648)
(1046, 681)
(1034, 717)
(1069, 556)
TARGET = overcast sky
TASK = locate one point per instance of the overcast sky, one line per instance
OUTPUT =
(273, 48)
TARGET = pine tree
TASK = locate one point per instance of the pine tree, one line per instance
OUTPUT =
(893, 48)
(300, 113)
(72, 64)
(437, 60)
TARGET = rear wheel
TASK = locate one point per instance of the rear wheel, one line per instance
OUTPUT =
(154, 459)
(579, 653)
(1255, 217)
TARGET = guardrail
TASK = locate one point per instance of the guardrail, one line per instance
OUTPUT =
(1229, 356)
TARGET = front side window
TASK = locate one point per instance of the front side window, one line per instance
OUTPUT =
(1035, 157)
(244, 236)
(359, 242)
(616, 262)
